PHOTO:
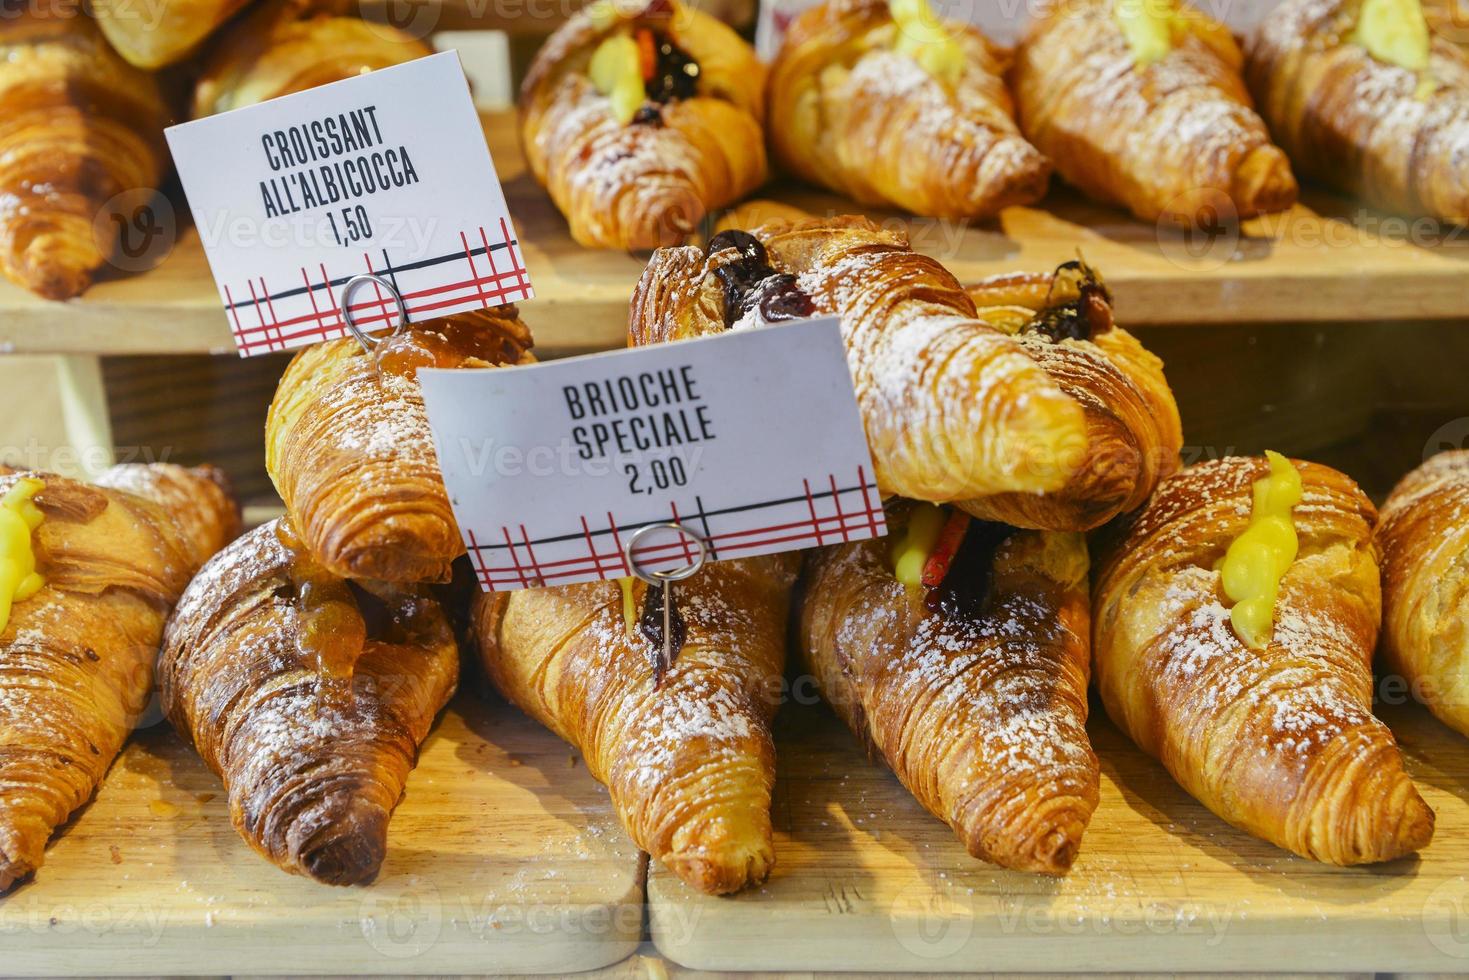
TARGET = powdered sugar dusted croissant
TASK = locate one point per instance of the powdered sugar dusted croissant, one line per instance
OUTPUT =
(953, 407)
(887, 104)
(640, 120)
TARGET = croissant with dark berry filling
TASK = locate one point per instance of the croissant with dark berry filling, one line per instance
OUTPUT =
(308, 696)
(1140, 103)
(348, 446)
(1370, 97)
(858, 84)
(639, 121)
(958, 649)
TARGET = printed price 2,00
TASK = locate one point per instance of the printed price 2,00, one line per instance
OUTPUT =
(662, 474)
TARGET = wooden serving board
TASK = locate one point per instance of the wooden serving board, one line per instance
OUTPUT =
(504, 857)
(1325, 260)
(865, 879)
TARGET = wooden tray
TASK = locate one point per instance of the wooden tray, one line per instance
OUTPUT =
(504, 857)
(1323, 261)
(865, 879)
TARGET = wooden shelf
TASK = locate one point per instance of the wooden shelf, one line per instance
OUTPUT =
(504, 857)
(1321, 262)
(865, 879)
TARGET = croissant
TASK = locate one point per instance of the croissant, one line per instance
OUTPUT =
(78, 126)
(953, 408)
(287, 46)
(308, 696)
(348, 446)
(972, 688)
(1142, 105)
(1064, 322)
(77, 643)
(1424, 540)
(640, 120)
(1371, 98)
(151, 36)
(1278, 739)
(858, 83)
(690, 761)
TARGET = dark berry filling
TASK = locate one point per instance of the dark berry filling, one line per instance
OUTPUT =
(750, 283)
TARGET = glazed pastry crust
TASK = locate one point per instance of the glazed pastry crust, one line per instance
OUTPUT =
(985, 720)
(640, 186)
(1133, 430)
(152, 37)
(76, 659)
(1280, 742)
(78, 126)
(1176, 140)
(847, 111)
(1424, 539)
(350, 451)
(953, 408)
(690, 764)
(314, 759)
(1361, 125)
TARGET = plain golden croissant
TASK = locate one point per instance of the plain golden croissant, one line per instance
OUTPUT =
(348, 446)
(970, 681)
(1424, 540)
(1233, 641)
(953, 408)
(1064, 322)
(1371, 98)
(308, 696)
(87, 577)
(640, 120)
(1141, 104)
(155, 35)
(689, 761)
(890, 106)
(78, 126)
(288, 46)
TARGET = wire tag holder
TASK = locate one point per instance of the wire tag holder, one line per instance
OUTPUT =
(371, 344)
(665, 579)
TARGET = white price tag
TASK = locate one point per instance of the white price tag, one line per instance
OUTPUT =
(386, 174)
(751, 440)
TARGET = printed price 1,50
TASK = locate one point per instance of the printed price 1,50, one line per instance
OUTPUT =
(354, 226)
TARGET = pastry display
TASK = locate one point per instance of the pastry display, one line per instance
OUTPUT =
(87, 577)
(952, 406)
(1142, 105)
(958, 649)
(308, 696)
(1370, 97)
(153, 36)
(858, 84)
(689, 760)
(1424, 540)
(78, 127)
(639, 119)
(286, 46)
(348, 446)
(1233, 625)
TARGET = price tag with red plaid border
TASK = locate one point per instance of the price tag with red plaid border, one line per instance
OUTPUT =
(750, 439)
(386, 173)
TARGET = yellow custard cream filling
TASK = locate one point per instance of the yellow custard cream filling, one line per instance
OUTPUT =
(19, 516)
(927, 40)
(1148, 26)
(1257, 560)
(616, 71)
(629, 605)
(911, 549)
(1394, 31)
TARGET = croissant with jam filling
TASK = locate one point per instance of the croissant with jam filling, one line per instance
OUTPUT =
(954, 409)
(858, 84)
(639, 121)
(308, 696)
(959, 652)
(1233, 623)
(87, 577)
(1142, 105)
(1370, 97)
(348, 445)
(78, 126)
